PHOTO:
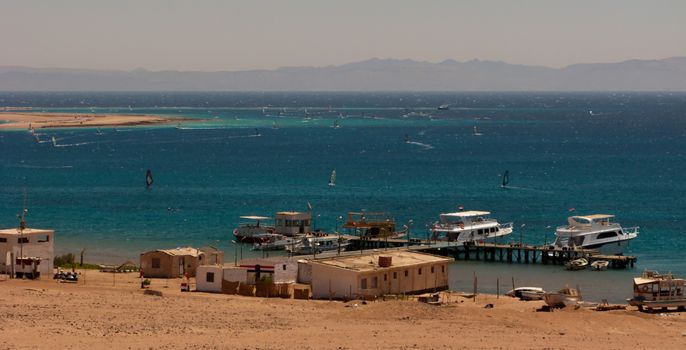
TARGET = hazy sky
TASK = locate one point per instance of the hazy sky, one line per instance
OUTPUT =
(239, 35)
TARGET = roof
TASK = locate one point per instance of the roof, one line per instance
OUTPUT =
(290, 213)
(27, 231)
(254, 217)
(185, 251)
(469, 213)
(594, 216)
(369, 262)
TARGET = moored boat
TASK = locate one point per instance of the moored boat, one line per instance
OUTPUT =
(318, 244)
(599, 265)
(594, 232)
(468, 226)
(274, 241)
(577, 264)
(254, 230)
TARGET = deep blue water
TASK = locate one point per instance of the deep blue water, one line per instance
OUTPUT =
(620, 153)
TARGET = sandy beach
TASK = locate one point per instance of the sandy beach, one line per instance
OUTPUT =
(110, 311)
(40, 120)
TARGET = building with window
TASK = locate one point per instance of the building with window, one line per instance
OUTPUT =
(373, 275)
(178, 262)
(276, 270)
(26, 252)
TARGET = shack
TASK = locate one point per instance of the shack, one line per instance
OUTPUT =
(26, 252)
(379, 273)
(210, 278)
(178, 262)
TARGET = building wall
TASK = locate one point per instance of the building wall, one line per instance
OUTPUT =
(201, 282)
(332, 282)
(37, 246)
(235, 275)
(165, 268)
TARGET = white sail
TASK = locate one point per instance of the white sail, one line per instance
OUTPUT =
(332, 178)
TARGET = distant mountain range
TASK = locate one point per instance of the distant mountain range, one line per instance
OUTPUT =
(370, 75)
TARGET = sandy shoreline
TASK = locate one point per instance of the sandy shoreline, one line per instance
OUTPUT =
(38, 120)
(106, 310)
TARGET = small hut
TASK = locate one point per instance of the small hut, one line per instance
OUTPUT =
(178, 262)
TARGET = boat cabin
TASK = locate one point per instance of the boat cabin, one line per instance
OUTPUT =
(587, 221)
(291, 223)
(366, 224)
(464, 217)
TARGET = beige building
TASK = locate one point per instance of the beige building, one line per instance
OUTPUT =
(290, 223)
(171, 263)
(28, 252)
(278, 270)
(392, 272)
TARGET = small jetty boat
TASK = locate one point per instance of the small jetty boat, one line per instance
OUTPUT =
(577, 264)
(476, 131)
(273, 241)
(318, 244)
(594, 232)
(564, 297)
(254, 230)
(600, 265)
(655, 291)
(444, 107)
(468, 226)
(527, 293)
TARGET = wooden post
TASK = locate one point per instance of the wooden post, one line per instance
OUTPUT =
(475, 286)
(497, 288)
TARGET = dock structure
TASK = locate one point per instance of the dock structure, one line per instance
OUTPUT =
(494, 252)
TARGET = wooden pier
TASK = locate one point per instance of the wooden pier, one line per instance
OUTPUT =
(510, 253)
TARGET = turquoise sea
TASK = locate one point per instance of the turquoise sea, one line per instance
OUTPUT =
(616, 153)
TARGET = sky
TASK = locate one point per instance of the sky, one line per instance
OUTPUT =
(263, 34)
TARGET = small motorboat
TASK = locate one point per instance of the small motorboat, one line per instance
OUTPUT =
(577, 264)
(564, 297)
(527, 293)
(599, 265)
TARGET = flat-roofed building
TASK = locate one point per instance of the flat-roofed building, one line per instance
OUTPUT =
(27, 252)
(372, 275)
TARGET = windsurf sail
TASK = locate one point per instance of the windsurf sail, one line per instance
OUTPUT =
(332, 178)
(148, 178)
(506, 178)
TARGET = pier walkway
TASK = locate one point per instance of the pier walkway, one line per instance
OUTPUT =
(510, 253)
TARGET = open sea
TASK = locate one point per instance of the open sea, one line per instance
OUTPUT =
(615, 153)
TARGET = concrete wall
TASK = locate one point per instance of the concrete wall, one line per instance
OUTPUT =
(235, 275)
(201, 283)
(37, 246)
(333, 282)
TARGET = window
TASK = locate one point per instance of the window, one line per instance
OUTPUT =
(3, 240)
(23, 240)
(283, 267)
(210, 277)
(44, 238)
(406, 273)
(395, 275)
(607, 234)
(480, 232)
(155, 263)
(432, 269)
(442, 268)
(420, 271)
(363, 283)
(385, 277)
(375, 282)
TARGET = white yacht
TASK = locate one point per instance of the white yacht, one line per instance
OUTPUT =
(594, 232)
(468, 226)
(274, 241)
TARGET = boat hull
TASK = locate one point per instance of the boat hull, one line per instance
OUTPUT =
(248, 238)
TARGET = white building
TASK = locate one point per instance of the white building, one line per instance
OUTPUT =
(371, 275)
(28, 252)
(278, 270)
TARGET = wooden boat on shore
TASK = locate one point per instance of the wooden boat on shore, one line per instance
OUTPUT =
(655, 291)
(527, 293)
(564, 297)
